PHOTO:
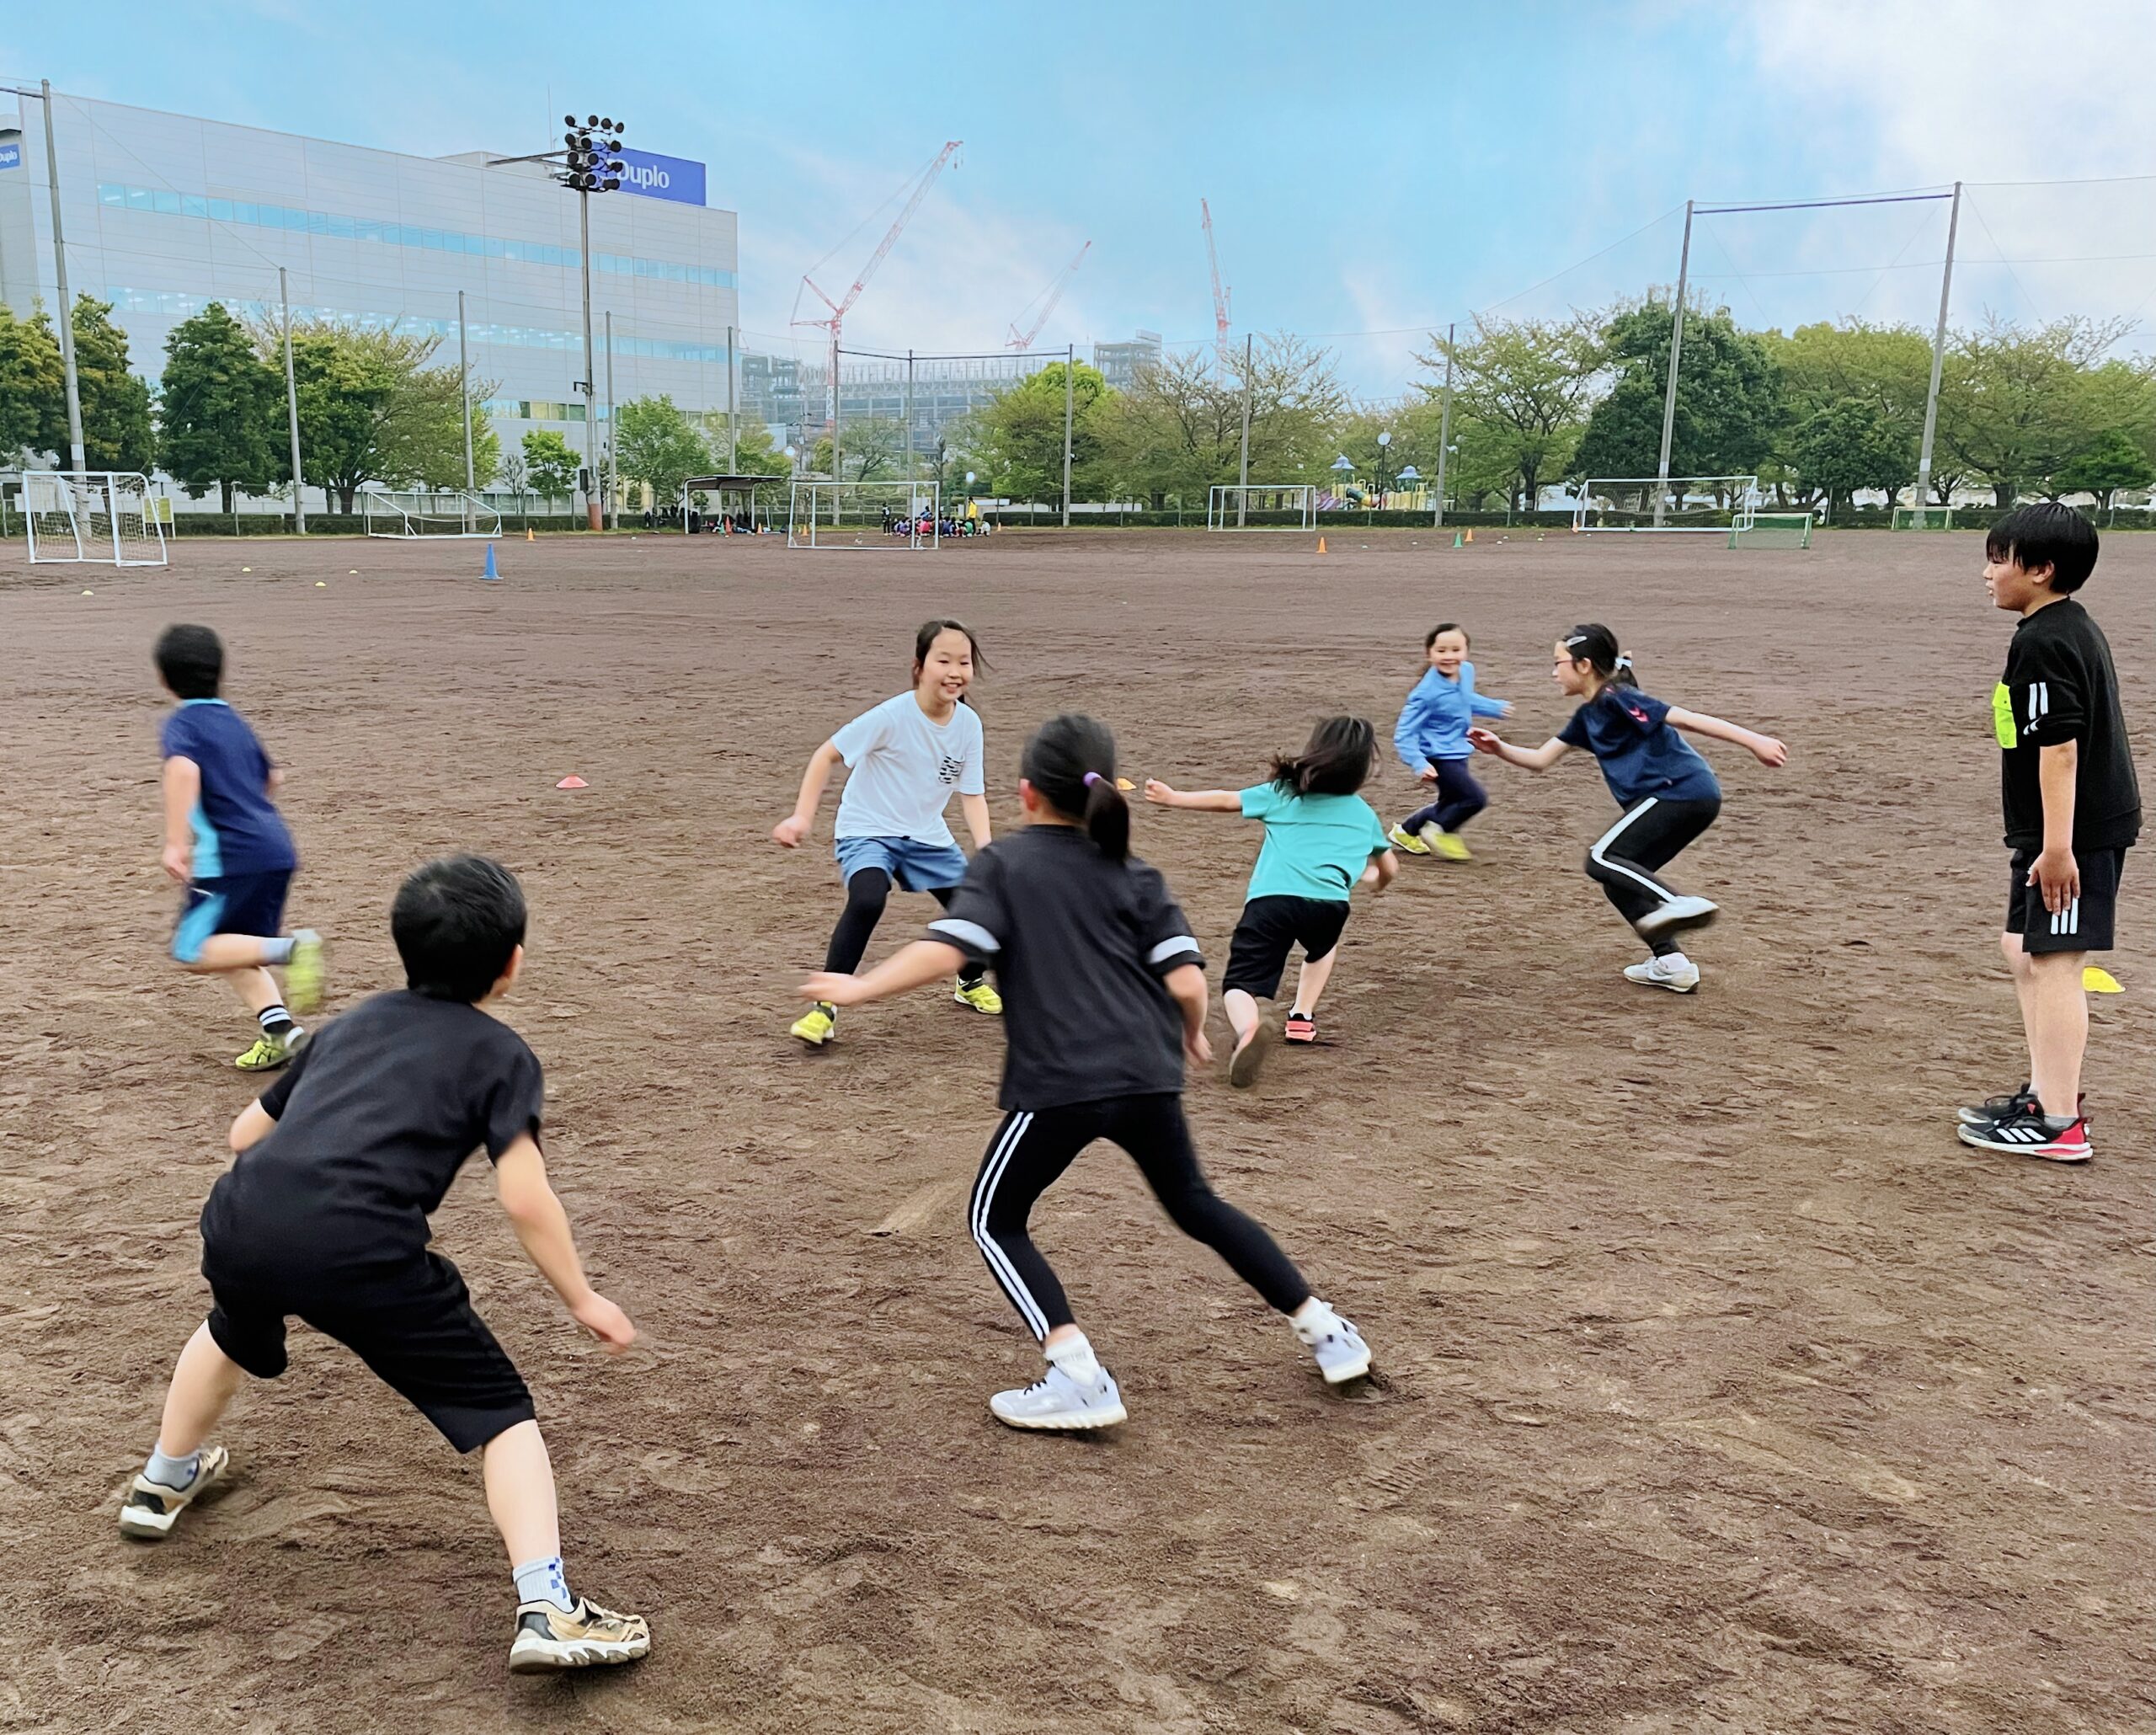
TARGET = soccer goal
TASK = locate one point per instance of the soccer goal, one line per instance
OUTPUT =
(1773, 530)
(1924, 518)
(1711, 504)
(864, 515)
(1261, 506)
(439, 512)
(89, 517)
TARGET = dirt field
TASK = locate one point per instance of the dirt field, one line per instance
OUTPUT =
(1720, 1388)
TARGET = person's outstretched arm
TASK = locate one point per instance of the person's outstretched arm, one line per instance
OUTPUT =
(1532, 759)
(543, 1227)
(790, 830)
(1202, 801)
(912, 966)
(1764, 748)
(975, 809)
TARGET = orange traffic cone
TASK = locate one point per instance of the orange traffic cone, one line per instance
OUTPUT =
(1321, 545)
(572, 782)
(528, 536)
(1470, 536)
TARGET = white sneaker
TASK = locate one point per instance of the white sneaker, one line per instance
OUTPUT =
(1677, 972)
(1063, 1400)
(1342, 1354)
(1678, 913)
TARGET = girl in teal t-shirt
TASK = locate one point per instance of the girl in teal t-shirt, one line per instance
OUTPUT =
(1321, 840)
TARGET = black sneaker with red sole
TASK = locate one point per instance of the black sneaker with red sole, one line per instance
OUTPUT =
(2027, 1133)
(1300, 1027)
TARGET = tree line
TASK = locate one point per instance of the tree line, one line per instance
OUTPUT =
(1818, 413)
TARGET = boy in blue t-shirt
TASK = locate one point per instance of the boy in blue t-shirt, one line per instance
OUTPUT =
(226, 842)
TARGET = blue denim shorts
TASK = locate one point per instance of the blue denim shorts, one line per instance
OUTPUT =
(913, 867)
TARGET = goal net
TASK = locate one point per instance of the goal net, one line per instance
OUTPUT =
(90, 517)
(1712, 504)
(1773, 530)
(427, 512)
(1273, 506)
(864, 515)
(1924, 518)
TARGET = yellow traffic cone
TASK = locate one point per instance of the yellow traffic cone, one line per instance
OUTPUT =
(1321, 545)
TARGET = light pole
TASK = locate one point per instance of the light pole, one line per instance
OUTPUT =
(76, 460)
(1384, 440)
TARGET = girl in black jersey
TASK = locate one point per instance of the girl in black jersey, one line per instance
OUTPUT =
(1103, 995)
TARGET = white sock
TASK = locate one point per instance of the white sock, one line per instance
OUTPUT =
(177, 1473)
(1076, 1358)
(542, 1581)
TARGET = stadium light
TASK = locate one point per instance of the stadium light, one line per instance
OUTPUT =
(591, 162)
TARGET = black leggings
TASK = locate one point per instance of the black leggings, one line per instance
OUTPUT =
(1459, 798)
(1624, 858)
(1031, 1149)
(866, 895)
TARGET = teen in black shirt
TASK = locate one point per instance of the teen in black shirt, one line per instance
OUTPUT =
(1103, 994)
(2072, 809)
(324, 1216)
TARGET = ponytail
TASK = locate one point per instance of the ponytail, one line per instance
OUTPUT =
(1337, 761)
(1596, 645)
(1070, 761)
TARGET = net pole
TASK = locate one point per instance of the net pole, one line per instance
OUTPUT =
(1069, 403)
(60, 280)
(292, 412)
(732, 441)
(909, 416)
(835, 405)
(1242, 475)
(613, 486)
(464, 391)
(1938, 351)
(1445, 428)
(1676, 351)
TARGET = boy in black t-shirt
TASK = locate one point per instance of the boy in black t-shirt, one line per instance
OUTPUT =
(2073, 810)
(324, 1216)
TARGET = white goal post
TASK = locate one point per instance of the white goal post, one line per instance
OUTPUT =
(87, 517)
(864, 515)
(1773, 530)
(430, 512)
(1261, 506)
(1713, 505)
(1924, 518)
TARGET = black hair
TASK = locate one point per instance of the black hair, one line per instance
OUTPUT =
(1597, 645)
(2046, 534)
(927, 637)
(1071, 762)
(1336, 761)
(1442, 627)
(456, 922)
(191, 661)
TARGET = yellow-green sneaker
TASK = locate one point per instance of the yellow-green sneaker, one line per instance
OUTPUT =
(304, 974)
(1448, 844)
(1403, 840)
(818, 1025)
(981, 998)
(269, 1053)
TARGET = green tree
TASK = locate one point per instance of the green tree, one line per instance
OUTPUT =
(1852, 444)
(1525, 387)
(2016, 406)
(657, 444)
(2108, 462)
(1016, 439)
(870, 449)
(513, 473)
(1729, 398)
(550, 464)
(33, 388)
(221, 409)
(1179, 429)
(117, 431)
(1885, 367)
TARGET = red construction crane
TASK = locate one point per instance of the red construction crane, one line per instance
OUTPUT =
(1024, 340)
(1220, 296)
(841, 309)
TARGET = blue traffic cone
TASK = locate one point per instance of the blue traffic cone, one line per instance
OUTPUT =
(490, 574)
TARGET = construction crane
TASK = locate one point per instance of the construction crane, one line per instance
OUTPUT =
(1220, 296)
(839, 309)
(1024, 340)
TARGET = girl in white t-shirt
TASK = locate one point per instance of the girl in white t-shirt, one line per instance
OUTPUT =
(905, 758)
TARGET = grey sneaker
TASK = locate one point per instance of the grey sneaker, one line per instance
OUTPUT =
(1061, 1401)
(551, 1638)
(1342, 1354)
(1678, 913)
(151, 1509)
(1678, 974)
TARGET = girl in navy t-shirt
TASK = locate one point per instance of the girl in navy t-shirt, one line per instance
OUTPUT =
(1668, 792)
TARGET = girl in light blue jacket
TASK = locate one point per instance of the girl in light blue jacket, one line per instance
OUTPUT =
(1431, 739)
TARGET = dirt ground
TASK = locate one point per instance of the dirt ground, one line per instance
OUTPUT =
(1719, 1389)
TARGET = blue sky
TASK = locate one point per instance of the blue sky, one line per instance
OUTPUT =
(1368, 168)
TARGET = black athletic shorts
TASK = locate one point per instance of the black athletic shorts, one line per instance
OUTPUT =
(417, 1331)
(2085, 924)
(1269, 929)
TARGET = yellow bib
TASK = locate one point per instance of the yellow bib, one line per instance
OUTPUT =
(2002, 717)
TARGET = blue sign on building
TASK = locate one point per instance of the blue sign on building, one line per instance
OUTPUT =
(657, 177)
(11, 157)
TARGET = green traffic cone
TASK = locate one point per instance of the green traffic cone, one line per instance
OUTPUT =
(1455, 539)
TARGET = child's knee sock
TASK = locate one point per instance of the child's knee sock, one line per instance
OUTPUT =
(542, 1581)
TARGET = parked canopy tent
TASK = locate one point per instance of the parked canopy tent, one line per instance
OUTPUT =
(733, 496)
